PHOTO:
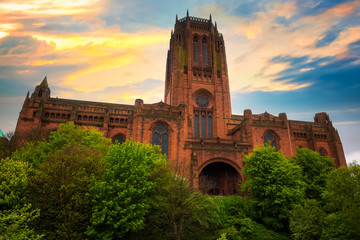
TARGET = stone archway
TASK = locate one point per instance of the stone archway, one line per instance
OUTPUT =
(219, 178)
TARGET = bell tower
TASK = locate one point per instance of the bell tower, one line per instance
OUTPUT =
(196, 74)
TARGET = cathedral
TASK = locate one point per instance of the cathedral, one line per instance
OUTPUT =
(194, 126)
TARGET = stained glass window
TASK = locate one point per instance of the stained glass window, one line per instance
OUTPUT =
(270, 139)
(203, 127)
(204, 52)
(210, 127)
(196, 49)
(161, 138)
(196, 126)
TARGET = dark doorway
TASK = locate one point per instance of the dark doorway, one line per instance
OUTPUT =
(219, 179)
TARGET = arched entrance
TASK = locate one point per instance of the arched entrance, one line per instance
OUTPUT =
(219, 178)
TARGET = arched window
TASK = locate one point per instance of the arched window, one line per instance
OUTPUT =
(322, 152)
(58, 115)
(63, 116)
(47, 115)
(120, 138)
(52, 115)
(196, 49)
(204, 51)
(269, 139)
(161, 138)
(40, 93)
(196, 126)
(210, 127)
(68, 116)
(90, 118)
(203, 126)
(85, 118)
(79, 117)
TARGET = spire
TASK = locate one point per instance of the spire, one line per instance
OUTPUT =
(215, 25)
(187, 13)
(210, 18)
(27, 96)
(176, 17)
(44, 82)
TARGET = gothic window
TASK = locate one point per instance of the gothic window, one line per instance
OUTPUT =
(79, 117)
(68, 116)
(58, 115)
(47, 115)
(63, 116)
(161, 138)
(101, 119)
(204, 51)
(120, 138)
(40, 93)
(270, 140)
(90, 118)
(196, 126)
(196, 49)
(202, 101)
(322, 152)
(210, 127)
(52, 115)
(96, 119)
(111, 120)
(203, 126)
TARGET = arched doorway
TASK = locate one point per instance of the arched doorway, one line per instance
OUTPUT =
(219, 178)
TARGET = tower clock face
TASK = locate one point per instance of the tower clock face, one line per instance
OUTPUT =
(202, 100)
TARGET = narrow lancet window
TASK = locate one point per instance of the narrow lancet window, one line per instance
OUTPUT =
(160, 138)
(204, 52)
(203, 126)
(196, 126)
(210, 127)
(196, 49)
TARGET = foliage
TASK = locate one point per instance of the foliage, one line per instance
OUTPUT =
(342, 198)
(58, 189)
(121, 201)
(315, 169)
(177, 211)
(14, 224)
(307, 221)
(68, 133)
(339, 228)
(13, 183)
(237, 214)
(274, 183)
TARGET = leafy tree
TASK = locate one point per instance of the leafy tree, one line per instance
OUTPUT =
(342, 198)
(307, 221)
(13, 183)
(237, 214)
(121, 201)
(315, 169)
(14, 224)
(338, 227)
(274, 183)
(68, 133)
(58, 189)
(179, 212)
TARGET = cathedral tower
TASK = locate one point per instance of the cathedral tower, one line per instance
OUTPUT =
(196, 74)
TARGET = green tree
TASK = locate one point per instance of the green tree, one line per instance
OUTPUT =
(13, 183)
(35, 152)
(274, 183)
(342, 198)
(179, 212)
(237, 216)
(58, 188)
(315, 169)
(121, 201)
(307, 221)
(15, 224)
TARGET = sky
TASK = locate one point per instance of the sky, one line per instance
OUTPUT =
(298, 56)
